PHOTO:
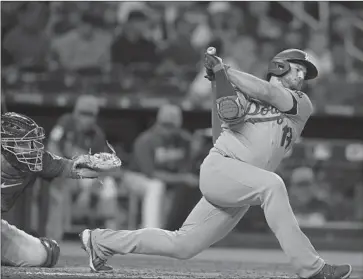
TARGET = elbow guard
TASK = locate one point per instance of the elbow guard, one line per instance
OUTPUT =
(230, 110)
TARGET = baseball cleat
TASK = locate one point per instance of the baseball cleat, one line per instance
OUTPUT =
(334, 272)
(95, 263)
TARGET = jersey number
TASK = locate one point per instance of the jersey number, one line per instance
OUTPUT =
(286, 136)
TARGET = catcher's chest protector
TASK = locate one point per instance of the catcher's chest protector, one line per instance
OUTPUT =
(13, 183)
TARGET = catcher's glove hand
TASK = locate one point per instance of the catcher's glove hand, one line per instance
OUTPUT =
(90, 166)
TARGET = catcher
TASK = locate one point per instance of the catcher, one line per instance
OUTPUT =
(23, 159)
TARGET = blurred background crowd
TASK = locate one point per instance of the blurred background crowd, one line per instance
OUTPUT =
(113, 47)
(113, 56)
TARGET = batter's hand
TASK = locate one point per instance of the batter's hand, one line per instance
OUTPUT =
(211, 61)
(209, 75)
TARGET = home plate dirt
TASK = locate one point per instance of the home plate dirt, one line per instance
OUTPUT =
(213, 263)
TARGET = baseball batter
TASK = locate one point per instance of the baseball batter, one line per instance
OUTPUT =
(261, 120)
(23, 160)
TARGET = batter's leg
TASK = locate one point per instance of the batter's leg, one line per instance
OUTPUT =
(229, 182)
(184, 200)
(19, 248)
(204, 226)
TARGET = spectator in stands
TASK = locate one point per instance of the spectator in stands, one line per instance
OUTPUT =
(180, 58)
(307, 200)
(340, 28)
(125, 8)
(6, 59)
(222, 24)
(259, 24)
(75, 134)
(186, 198)
(160, 159)
(64, 17)
(339, 61)
(27, 44)
(266, 50)
(242, 54)
(87, 47)
(201, 35)
(293, 38)
(358, 197)
(132, 46)
(319, 53)
(337, 198)
(343, 68)
(8, 18)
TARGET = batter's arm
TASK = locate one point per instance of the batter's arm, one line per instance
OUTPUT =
(228, 105)
(262, 90)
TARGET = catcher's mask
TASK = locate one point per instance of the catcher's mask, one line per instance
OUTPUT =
(280, 65)
(22, 141)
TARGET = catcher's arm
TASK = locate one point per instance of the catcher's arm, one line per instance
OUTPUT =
(56, 166)
(83, 166)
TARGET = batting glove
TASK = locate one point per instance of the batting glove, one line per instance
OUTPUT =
(209, 75)
(211, 61)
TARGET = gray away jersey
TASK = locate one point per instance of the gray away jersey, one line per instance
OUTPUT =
(264, 134)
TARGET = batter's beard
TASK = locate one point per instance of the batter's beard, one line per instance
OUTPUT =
(293, 84)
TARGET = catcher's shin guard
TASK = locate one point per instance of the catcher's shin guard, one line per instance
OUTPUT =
(53, 250)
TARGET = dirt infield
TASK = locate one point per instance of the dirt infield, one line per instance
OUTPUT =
(213, 263)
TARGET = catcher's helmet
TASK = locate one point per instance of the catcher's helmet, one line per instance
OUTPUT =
(22, 141)
(279, 65)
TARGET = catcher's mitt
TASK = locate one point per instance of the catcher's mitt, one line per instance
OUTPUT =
(99, 162)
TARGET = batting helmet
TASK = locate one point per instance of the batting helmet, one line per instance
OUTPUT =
(280, 65)
(22, 141)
